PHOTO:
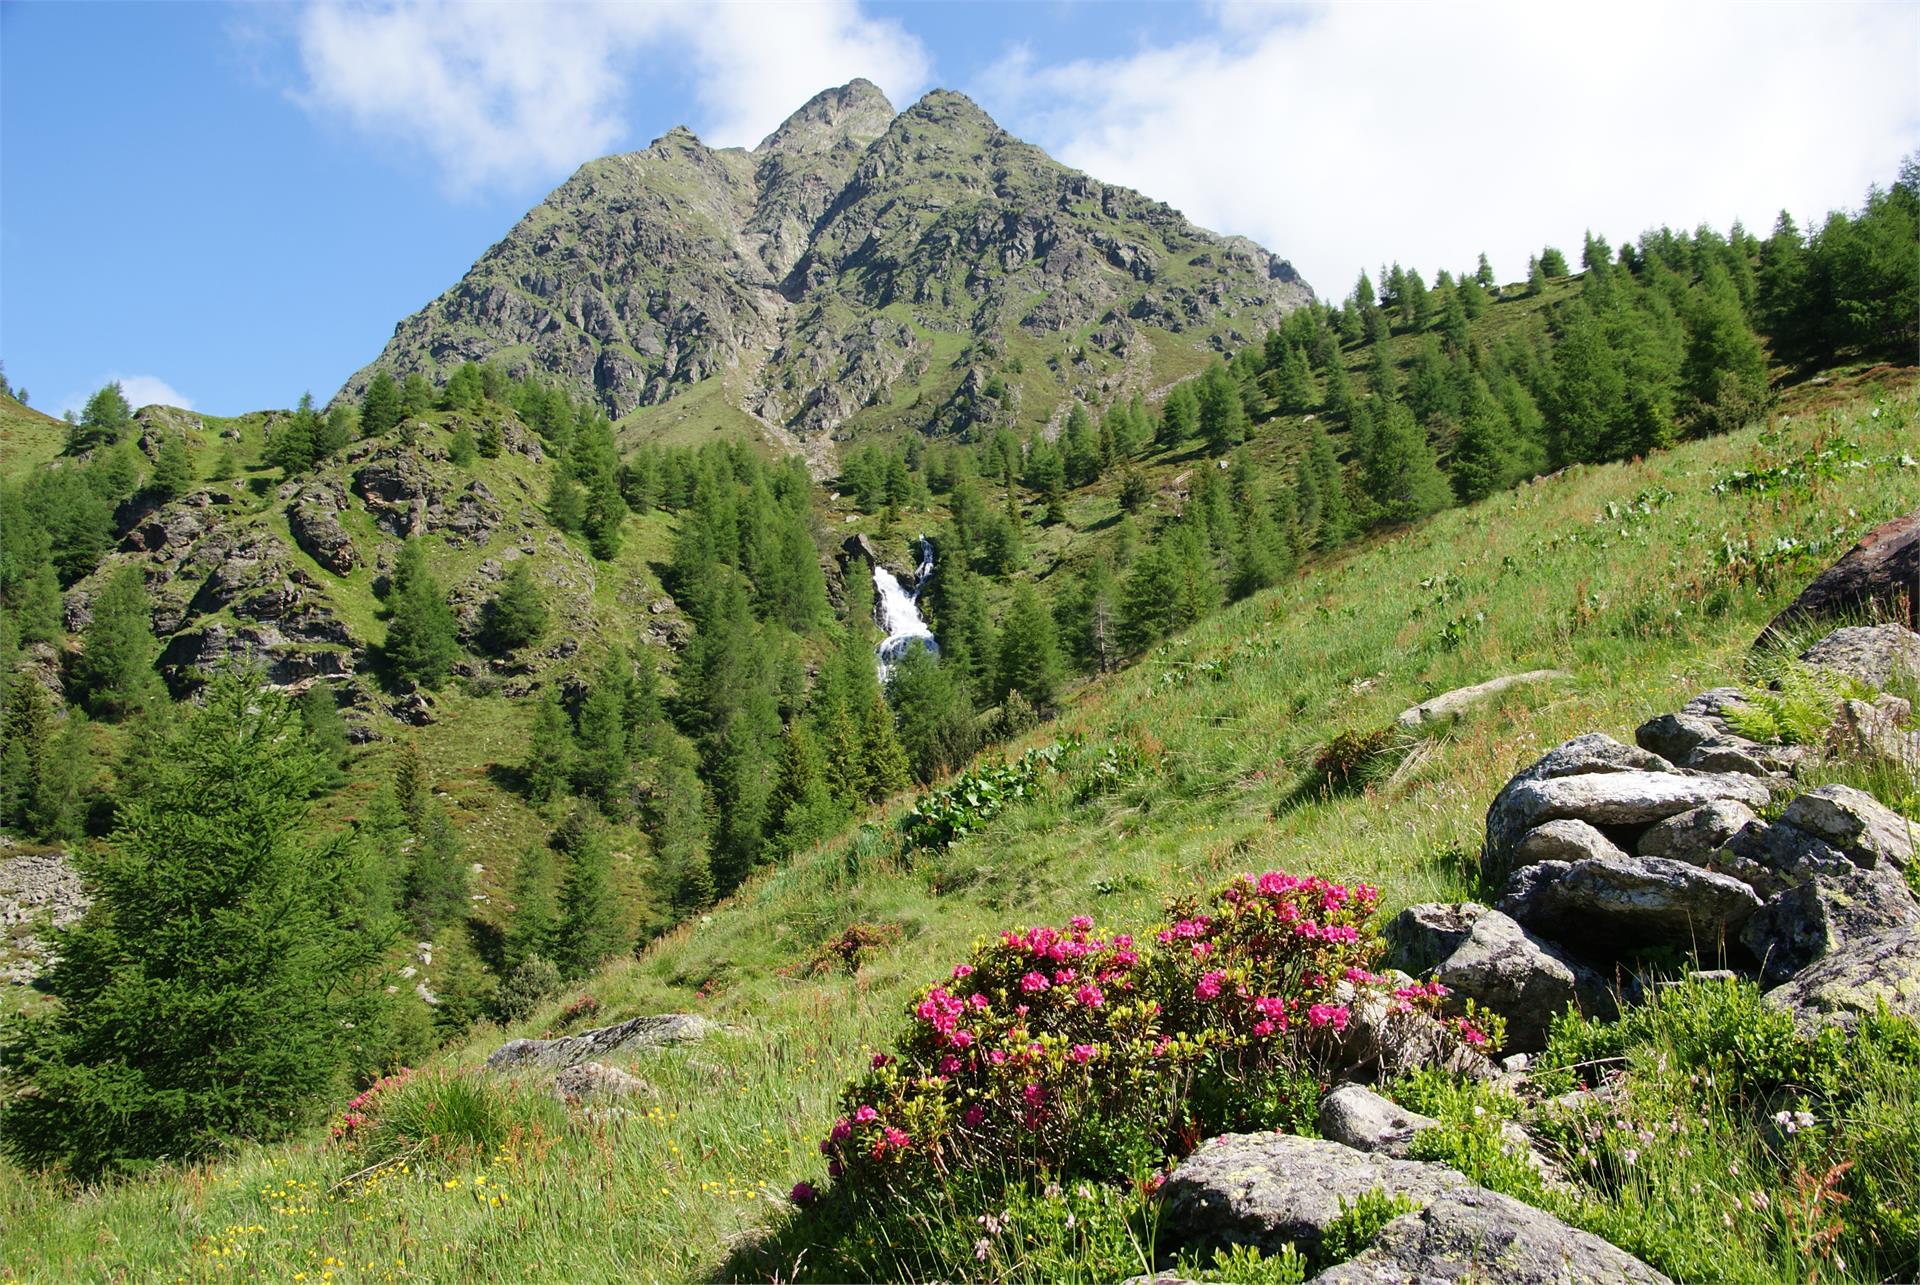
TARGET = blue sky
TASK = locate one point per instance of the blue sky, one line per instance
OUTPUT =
(223, 205)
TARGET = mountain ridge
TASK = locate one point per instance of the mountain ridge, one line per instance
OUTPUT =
(859, 267)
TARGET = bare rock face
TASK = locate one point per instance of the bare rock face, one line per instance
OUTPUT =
(398, 487)
(787, 269)
(1481, 954)
(1472, 1235)
(1828, 912)
(1270, 1190)
(313, 517)
(1882, 571)
(1851, 982)
(1872, 654)
(638, 1035)
(1612, 904)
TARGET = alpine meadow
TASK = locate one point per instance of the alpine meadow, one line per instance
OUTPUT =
(876, 707)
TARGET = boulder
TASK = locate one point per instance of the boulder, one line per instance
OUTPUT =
(1700, 739)
(1875, 655)
(1675, 736)
(1610, 904)
(1826, 913)
(1269, 1190)
(1881, 570)
(1876, 729)
(1454, 703)
(1380, 1044)
(1500, 966)
(1695, 835)
(588, 1081)
(1563, 840)
(1859, 825)
(1471, 1234)
(638, 1035)
(1593, 752)
(1626, 800)
(1356, 1116)
(1853, 981)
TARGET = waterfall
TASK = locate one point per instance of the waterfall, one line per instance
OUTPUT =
(899, 612)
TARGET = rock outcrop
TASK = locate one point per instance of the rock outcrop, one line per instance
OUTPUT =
(1827, 913)
(1854, 981)
(1457, 702)
(1610, 904)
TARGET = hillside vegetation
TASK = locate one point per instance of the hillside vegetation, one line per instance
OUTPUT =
(459, 710)
(1645, 580)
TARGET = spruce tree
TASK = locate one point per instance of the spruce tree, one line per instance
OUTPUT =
(549, 765)
(884, 766)
(421, 642)
(803, 809)
(590, 930)
(212, 989)
(515, 616)
(1029, 651)
(380, 409)
(532, 921)
(1179, 417)
(934, 714)
(412, 791)
(172, 471)
(1402, 476)
(28, 723)
(435, 889)
(1223, 415)
(327, 733)
(114, 670)
(677, 820)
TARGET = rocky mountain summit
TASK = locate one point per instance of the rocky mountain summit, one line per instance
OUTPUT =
(925, 261)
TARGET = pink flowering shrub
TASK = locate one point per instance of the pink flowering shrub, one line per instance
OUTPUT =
(1092, 1051)
(360, 1109)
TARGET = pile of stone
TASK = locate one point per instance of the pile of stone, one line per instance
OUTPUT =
(1604, 851)
(1271, 1190)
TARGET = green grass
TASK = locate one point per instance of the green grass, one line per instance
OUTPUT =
(1639, 578)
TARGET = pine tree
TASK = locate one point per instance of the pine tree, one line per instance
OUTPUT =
(212, 989)
(435, 888)
(1029, 661)
(327, 734)
(172, 471)
(421, 642)
(1402, 476)
(532, 921)
(935, 716)
(380, 409)
(412, 791)
(114, 670)
(1179, 417)
(515, 616)
(1223, 415)
(590, 930)
(884, 767)
(106, 418)
(803, 809)
(677, 819)
(549, 766)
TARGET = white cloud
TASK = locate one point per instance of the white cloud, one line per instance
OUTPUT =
(513, 93)
(1351, 134)
(140, 390)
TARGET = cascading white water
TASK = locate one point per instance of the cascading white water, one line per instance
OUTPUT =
(899, 612)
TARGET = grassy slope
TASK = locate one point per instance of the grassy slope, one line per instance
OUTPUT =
(1620, 574)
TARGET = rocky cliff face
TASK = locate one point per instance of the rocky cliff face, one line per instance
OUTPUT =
(854, 256)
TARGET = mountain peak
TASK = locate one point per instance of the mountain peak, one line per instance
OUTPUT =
(950, 106)
(856, 110)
